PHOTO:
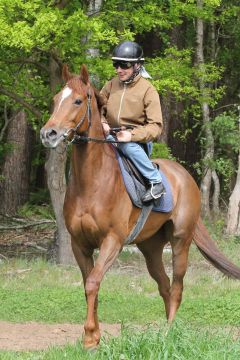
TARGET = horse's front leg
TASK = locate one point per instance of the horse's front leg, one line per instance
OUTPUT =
(84, 258)
(109, 250)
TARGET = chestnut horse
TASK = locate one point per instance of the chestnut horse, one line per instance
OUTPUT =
(99, 213)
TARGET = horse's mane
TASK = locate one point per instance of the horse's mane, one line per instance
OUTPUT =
(78, 85)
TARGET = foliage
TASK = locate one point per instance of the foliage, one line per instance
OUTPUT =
(227, 123)
(173, 73)
(38, 206)
(227, 147)
(161, 151)
(36, 211)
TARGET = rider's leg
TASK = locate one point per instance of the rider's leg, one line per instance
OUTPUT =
(138, 156)
(140, 159)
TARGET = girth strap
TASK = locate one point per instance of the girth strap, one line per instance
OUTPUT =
(146, 209)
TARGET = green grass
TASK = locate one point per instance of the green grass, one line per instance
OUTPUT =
(121, 299)
(181, 341)
(205, 328)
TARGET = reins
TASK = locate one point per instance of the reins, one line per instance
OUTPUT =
(82, 139)
(78, 139)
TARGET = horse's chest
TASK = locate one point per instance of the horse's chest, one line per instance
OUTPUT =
(83, 226)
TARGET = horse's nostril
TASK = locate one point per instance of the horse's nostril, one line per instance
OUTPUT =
(51, 133)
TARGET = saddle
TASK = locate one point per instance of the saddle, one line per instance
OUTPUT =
(136, 185)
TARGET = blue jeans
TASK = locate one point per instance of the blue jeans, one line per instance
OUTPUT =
(135, 152)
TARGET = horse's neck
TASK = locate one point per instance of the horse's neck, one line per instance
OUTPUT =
(93, 161)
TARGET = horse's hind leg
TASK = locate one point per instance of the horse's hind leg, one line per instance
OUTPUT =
(152, 250)
(180, 243)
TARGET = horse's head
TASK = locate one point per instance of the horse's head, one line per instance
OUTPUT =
(71, 111)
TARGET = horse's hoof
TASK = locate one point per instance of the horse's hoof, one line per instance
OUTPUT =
(90, 347)
(90, 344)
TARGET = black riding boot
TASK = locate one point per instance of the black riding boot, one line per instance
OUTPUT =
(154, 192)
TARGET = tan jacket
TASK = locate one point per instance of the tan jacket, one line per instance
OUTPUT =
(135, 104)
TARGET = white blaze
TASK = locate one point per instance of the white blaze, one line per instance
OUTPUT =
(66, 92)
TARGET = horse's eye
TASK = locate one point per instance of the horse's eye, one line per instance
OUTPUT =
(77, 102)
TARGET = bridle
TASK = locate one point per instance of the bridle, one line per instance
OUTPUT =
(84, 138)
(87, 113)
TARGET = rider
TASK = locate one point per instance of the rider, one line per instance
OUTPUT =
(131, 100)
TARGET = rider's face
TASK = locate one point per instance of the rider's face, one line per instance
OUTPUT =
(124, 74)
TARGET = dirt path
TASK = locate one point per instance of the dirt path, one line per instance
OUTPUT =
(38, 336)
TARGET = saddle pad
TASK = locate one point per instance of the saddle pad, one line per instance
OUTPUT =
(136, 190)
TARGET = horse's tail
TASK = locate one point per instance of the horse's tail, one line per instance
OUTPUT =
(210, 251)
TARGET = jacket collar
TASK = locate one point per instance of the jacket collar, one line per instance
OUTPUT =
(132, 83)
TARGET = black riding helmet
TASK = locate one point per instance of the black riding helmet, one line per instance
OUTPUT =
(128, 51)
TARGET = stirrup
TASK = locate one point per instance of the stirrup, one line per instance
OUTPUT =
(150, 196)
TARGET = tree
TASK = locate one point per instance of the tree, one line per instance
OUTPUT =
(15, 178)
(233, 222)
(209, 155)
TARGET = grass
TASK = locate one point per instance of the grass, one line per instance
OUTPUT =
(181, 341)
(205, 328)
(57, 295)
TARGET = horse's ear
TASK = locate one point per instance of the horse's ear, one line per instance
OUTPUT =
(66, 75)
(84, 76)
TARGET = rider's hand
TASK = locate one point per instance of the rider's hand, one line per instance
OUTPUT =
(106, 128)
(124, 135)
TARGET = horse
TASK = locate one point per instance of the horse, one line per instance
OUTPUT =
(99, 213)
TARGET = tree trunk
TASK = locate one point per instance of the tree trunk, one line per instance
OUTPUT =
(233, 223)
(166, 112)
(216, 193)
(15, 177)
(94, 8)
(55, 168)
(209, 154)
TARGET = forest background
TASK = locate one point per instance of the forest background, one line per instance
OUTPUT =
(192, 51)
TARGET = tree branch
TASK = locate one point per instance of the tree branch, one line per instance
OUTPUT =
(56, 58)
(29, 61)
(6, 122)
(21, 101)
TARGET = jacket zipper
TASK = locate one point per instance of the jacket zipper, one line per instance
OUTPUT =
(120, 107)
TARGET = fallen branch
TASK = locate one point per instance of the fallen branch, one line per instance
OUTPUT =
(20, 271)
(35, 246)
(4, 257)
(24, 226)
(12, 218)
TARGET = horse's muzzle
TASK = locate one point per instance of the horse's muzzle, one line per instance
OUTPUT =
(51, 137)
